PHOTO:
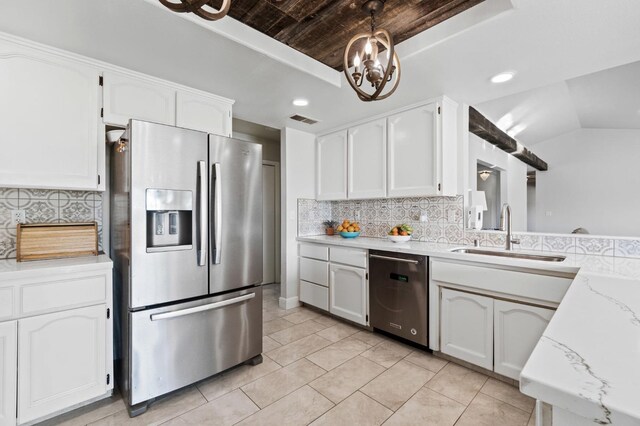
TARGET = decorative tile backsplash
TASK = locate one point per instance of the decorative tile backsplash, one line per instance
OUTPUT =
(376, 217)
(445, 224)
(46, 206)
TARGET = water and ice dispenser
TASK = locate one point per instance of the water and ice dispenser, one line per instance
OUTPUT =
(169, 219)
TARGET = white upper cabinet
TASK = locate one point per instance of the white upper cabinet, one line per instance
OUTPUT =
(205, 113)
(49, 117)
(127, 97)
(367, 159)
(413, 152)
(331, 166)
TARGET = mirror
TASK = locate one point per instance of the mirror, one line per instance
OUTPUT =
(588, 131)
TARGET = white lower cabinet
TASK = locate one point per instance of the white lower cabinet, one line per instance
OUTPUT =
(8, 372)
(61, 360)
(517, 329)
(348, 293)
(466, 327)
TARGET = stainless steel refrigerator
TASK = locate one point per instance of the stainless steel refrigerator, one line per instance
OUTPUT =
(186, 235)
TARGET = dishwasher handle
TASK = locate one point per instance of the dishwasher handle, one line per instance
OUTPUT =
(394, 259)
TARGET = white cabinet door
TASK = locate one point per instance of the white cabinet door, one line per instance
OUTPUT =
(413, 152)
(49, 115)
(126, 97)
(8, 372)
(517, 330)
(331, 167)
(367, 157)
(466, 327)
(348, 293)
(203, 113)
(61, 360)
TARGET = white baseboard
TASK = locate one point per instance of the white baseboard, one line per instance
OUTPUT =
(289, 303)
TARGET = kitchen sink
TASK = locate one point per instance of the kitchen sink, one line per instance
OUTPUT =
(526, 256)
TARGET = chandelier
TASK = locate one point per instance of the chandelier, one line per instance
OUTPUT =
(378, 69)
(484, 175)
(199, 7)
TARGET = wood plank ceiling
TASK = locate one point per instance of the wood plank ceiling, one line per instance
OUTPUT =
(322, 28)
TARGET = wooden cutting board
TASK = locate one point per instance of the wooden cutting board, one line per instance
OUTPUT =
(56, 240)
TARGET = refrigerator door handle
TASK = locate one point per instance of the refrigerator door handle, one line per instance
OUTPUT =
(201, 206)
(208, 307)
(216, 211)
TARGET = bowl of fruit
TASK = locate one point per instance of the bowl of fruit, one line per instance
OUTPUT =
(348, 229)
(400, 233)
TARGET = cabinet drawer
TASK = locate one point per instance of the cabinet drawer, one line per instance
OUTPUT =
(314, 251)
(62, 292)
(315, 295)
(353, 257)
(524, 284)
(314, 271)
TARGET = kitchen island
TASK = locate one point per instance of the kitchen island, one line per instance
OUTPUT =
(586, 363)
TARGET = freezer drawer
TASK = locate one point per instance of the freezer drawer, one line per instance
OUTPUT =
(175, 346)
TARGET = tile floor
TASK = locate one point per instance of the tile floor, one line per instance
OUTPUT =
(320, 371)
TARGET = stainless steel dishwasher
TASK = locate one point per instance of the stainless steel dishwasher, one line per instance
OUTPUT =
(398, 294)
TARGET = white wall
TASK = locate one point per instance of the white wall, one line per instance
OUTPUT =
(297, 151)
(593, 182)
(514, 178)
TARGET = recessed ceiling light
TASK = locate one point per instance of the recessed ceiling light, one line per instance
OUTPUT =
(503, 77)
(300, 102)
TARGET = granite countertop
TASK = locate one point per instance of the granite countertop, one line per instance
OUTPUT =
(588, 359)
(9, 268)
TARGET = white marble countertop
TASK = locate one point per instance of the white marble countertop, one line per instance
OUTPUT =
(588, 359)
(9, 268)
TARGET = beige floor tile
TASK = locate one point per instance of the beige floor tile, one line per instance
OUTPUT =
(338, 332)
(274, 326)
(287, 354)
(336, 354)
(301, 316)
(298, 408)
(387, 353)
(369, 337)
(344, 380)
(90, 413)
(358, 409)
(326, 320)
(226, 410)
(396, 385)
(457, 383)
(233, 379)
(426, 360)
(509, 394)
(159, 412)
(274, 386)
(427, 407)
(297, 332)
(487, 411)
(268, 344)
(272, 314)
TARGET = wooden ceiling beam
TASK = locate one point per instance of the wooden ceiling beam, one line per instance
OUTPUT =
(482, 127)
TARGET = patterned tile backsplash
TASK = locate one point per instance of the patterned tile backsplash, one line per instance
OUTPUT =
(377, 217)
(46, 206)
(445, 224)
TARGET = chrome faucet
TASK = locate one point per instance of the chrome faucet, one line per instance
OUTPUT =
(505, 225)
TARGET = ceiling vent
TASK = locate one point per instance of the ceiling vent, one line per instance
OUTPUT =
(303, 119)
